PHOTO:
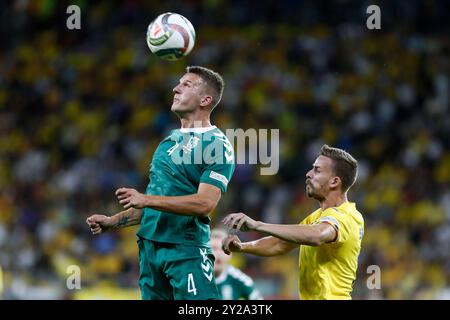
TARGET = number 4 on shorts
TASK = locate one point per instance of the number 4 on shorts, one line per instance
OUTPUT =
(191, 284)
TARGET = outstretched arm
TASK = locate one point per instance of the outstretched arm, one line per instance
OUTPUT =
(200, 203)
(264, 247)
(312, 235)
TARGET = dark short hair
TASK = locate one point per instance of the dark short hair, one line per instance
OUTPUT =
(344, 165)
(213, 80)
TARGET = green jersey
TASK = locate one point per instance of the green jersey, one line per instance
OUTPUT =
(233, 284)
(180, 163)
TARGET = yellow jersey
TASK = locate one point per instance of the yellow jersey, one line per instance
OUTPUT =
(329, 270)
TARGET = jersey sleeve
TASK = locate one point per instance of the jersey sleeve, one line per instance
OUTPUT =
(339, 221)
(254, 294)
(219, 163)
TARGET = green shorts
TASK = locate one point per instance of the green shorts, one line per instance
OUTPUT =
(172, 271)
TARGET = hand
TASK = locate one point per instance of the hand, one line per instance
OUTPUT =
(99, 223)
(240, 221)
(130, 198)
(231, 244)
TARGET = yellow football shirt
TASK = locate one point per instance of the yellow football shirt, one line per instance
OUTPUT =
(328, 271)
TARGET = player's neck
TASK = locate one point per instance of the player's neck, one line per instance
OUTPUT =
(195, 123)
(334, 199)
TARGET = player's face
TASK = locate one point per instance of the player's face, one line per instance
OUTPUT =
(319, 177)
(221, 258)
(188, 94)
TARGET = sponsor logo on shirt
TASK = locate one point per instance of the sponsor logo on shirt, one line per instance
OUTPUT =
(219, 177)
(191, 144)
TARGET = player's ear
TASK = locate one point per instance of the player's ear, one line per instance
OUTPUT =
(335, 182)
(206, 101)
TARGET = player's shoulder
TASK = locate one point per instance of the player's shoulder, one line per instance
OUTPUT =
(216, 140)
(174, 135)
(345, 214)
(240, 276)
(351, 211)
(216, 135)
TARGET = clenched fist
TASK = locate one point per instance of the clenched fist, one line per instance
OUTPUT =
(99, 223)
(231, 244)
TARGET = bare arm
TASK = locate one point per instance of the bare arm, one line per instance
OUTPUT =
(200, 203)
(266, 247)
(312, 235)
(127, 218)
(100, 223)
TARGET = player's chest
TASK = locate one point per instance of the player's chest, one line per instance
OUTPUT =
(177, 157)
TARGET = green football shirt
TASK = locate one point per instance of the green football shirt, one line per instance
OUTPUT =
(233, 284)
(180, 163)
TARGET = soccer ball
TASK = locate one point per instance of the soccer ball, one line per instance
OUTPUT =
(170, 36)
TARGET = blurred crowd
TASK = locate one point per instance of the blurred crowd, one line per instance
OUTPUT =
(81, 112)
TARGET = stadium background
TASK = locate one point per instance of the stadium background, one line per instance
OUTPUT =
(82, 111)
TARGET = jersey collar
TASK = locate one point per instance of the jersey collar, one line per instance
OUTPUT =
(197, 130)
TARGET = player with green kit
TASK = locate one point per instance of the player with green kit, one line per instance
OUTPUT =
(189, 172)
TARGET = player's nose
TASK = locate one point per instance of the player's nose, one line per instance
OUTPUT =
(176, 89)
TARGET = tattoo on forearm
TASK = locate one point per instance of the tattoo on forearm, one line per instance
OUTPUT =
(122, 222)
